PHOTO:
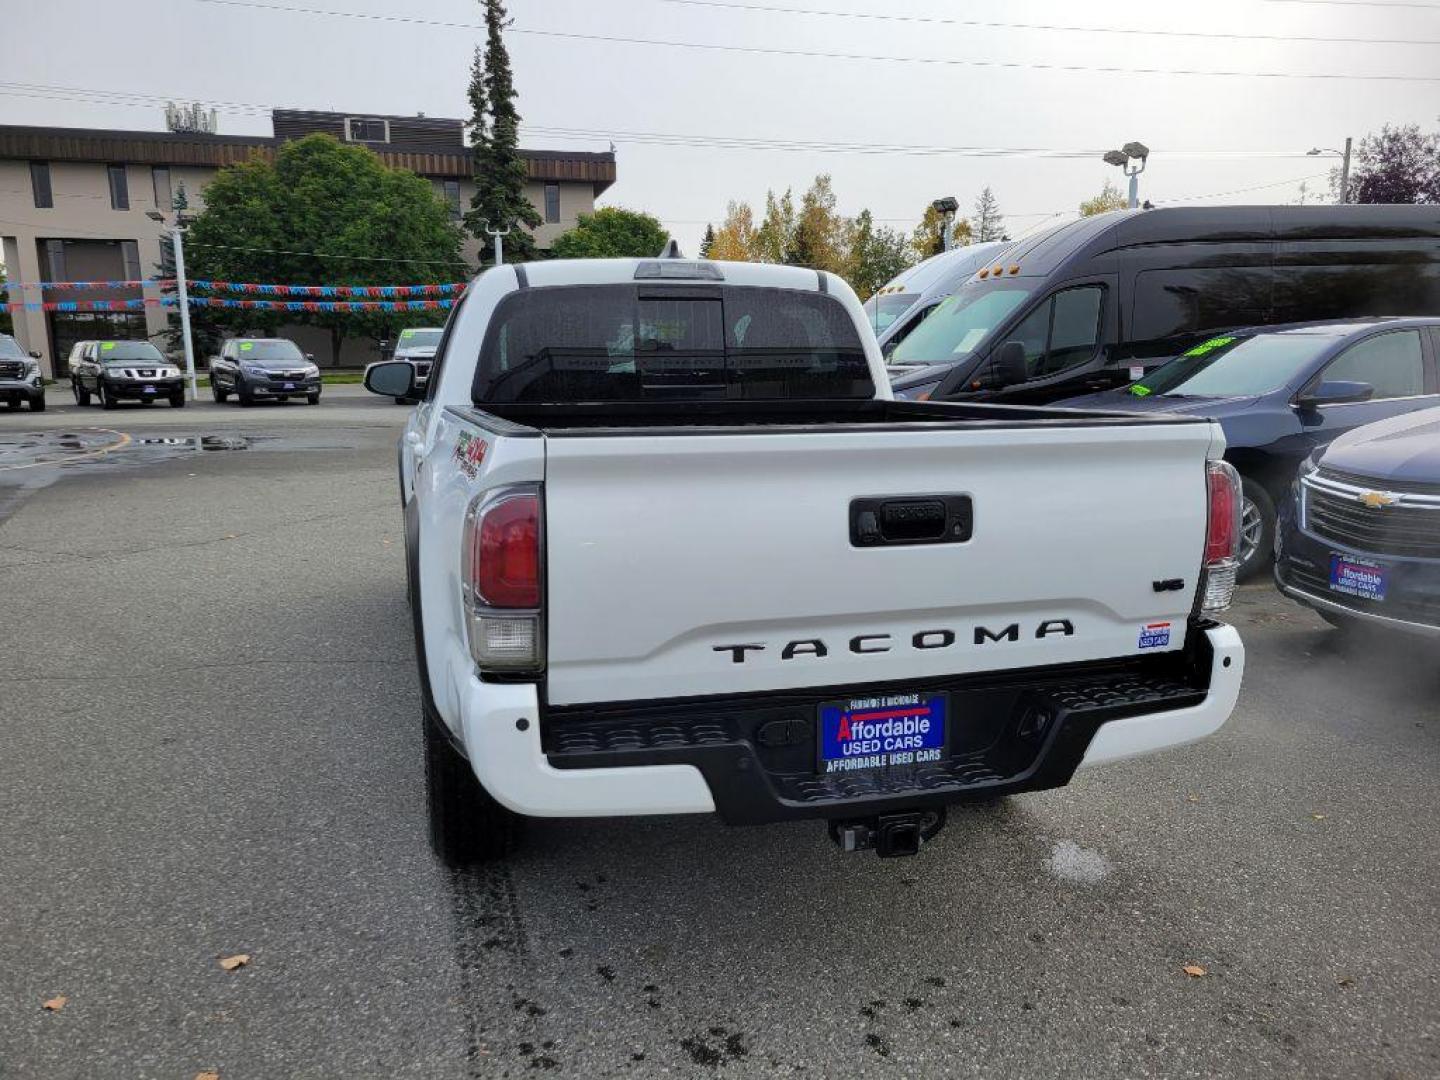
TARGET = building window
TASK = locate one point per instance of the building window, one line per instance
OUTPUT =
(130, 255)
(362, 129)
(552, 204)
(40, 184)
(55, 259)
(119, 187)
(452, 198)
(160, 179)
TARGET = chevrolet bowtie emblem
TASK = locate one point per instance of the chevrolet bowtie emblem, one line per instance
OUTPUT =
(1376, 499)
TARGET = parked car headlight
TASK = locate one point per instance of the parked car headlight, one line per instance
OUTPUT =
(252, 369)
(312, 371)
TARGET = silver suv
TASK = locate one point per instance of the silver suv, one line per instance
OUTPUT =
(20, 378)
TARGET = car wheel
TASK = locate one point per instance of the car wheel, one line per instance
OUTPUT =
(1257, 530)
(218, 394)
(106, 401)
(243, 393)
(37, 404)
(466, 825)
(312, 399)
(82, 396)
(177, 401)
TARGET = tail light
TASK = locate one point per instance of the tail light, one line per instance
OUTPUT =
(1222, 537)
(502, 569)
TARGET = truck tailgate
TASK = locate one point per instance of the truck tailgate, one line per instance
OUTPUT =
(665, 550)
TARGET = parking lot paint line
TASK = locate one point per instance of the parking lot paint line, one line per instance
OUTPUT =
(121, 442)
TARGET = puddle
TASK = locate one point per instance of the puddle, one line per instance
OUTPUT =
(202, 442)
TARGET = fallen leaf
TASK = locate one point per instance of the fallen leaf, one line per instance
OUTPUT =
(1192, 798)
(1194, 970)
(55, 1004)
(1345, 980)
(229, 536)
(230, 963)
(208, 1074)
(1318, 817)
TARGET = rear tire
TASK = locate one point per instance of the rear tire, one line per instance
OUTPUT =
(1257, 530)
(467, 826)
(219, 395)
(312, 399)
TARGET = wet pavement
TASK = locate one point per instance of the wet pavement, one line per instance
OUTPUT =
(212, 748)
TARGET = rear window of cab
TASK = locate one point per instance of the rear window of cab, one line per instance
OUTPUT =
(608, 343)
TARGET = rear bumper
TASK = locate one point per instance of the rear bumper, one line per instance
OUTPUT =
(1026, 731)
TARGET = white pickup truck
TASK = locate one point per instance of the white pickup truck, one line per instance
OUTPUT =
(673, 549)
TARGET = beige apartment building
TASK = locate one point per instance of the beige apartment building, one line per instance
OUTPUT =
(74, 205)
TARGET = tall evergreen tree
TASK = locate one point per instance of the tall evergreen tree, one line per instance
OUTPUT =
(707, 241)
(499, 201)
(987, 224)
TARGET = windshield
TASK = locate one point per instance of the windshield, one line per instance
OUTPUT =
(958, 326)
(129, 350)
(10, 349)
(1234, 366)
(415, 339)
(881, 311)
(276, 349)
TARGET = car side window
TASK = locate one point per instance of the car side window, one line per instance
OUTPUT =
(443, 346)
(1062, 332)
(1393, 363)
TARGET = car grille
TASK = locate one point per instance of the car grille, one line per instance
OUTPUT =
(287, 376)
(11, 369)
(1409, 527)
(1418, 609)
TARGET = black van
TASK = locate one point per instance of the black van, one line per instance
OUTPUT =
(1096, 303)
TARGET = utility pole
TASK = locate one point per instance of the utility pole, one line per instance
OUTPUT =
(499, 248)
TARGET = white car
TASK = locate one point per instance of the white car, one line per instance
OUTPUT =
(672, 549)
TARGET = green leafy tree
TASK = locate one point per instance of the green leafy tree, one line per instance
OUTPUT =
(821, 235)
(877, 254)
(1108, 199)
(707, 242)
(322, 212)
(1398, 165)
(986, 223)
(611, 233)
(775, 238)
(499, 201)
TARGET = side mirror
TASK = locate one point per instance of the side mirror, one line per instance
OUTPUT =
(310, 356)
(391, 378)
(1334, 392)
(1009, 367)
(34, 354)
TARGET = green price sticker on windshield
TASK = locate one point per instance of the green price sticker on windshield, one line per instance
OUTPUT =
(406, 335)
(1140, 391)
(246, 346)
(1208, 346)
(107, 346)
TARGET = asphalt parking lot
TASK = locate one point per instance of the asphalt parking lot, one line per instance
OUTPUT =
(212, 748)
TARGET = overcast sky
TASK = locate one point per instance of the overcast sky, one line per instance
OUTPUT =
(1210, 133)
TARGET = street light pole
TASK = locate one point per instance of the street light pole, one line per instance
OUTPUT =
(1345, 173)
(1123, 158)
(183, 299)
(499, 249)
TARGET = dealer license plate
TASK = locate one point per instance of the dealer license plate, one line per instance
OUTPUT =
(148, 390)
(289, 386)
(1357, 577)
(882, 731)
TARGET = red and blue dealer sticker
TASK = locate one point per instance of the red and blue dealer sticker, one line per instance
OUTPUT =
(1155, 635)
(882, 731)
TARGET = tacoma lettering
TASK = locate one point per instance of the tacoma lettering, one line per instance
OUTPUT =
(921, 639)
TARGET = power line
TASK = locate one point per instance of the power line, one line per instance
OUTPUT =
(941, 20)
(1361, 3)
(322, 255)
(709, 46)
